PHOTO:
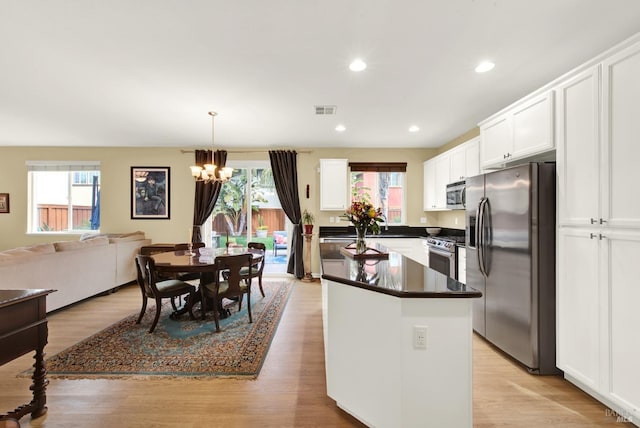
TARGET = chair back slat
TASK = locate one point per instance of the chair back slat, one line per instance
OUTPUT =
(260, 247)
(232, 266)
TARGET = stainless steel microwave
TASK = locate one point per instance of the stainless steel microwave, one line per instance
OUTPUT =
(456, 195)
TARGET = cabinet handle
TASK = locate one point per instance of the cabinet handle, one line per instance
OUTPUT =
(505, 156)
(594, 221)
(602, 221)
(592, 235)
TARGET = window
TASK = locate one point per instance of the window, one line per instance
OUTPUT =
(63, 196)
(383, 184)
(83, 177)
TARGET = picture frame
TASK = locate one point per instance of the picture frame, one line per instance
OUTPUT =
(4, 203)
(150, 192)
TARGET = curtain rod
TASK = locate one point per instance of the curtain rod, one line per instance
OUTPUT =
(250, 151)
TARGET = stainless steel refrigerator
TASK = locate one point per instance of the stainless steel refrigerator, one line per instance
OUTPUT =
(510, 242)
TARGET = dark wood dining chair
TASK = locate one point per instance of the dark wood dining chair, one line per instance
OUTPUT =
(151, 288)
(258, 267)
(233, 284)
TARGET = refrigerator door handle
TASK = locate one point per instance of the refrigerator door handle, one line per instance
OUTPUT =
(483, 236)
(480, 218)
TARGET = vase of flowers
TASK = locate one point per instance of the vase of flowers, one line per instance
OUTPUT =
(365, 218)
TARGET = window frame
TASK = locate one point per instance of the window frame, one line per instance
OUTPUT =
(381, 167)
(70, 167)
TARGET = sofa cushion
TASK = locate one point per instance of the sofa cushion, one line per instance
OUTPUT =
(9, 256)
(113, 237)
(40, 248)
(77, 245)
(125, 237)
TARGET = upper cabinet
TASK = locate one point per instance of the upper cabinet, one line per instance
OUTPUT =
(578, 154)
(465, 160)
(524, 130)
(334, 184)
(620, 132)
(436, 178)
(598, 130)
(453, 165)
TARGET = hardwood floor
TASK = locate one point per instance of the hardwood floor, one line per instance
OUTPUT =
(290, 391)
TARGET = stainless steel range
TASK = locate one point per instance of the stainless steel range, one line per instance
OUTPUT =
(443, 254)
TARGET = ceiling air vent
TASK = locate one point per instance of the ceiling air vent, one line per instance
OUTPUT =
(324, 110)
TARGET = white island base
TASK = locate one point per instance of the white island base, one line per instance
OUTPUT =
(375, 373)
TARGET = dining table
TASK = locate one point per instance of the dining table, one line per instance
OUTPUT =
(201, 261)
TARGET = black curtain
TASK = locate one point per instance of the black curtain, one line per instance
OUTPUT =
(285, 175)
(206, 193)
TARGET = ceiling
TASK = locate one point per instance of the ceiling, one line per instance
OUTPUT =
(146, 72)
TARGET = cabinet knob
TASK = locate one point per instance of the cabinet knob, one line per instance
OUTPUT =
(593, 221)
(592, 235)
(602, 221)
(601, 236)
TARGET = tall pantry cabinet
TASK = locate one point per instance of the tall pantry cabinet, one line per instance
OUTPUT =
(598, 265)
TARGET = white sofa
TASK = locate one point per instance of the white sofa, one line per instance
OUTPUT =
(76, 269)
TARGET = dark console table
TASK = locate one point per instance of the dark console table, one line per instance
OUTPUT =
(23, 328)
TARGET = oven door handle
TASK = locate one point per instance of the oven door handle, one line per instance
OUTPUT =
(442, 253)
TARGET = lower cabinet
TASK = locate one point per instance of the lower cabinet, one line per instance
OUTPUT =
(598, 292)
(578, 302)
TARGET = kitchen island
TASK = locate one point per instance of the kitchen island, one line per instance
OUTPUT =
(397, 340)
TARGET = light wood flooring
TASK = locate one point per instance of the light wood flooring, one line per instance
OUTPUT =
(290, 391)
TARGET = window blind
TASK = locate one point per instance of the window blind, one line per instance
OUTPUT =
(63, 165)
(378, 166)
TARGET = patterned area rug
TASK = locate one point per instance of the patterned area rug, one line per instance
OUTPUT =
(182, 347)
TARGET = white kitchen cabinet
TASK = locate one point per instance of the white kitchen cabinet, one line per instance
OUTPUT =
(578, 302)
(453, 165)
(443, 168)
(334, 184)
(597, 313)
(526, 129)
(621, 258)
(620, 133)
(472, 157)
(429, 186)
(436, 177)
(495, 141)
(533, 126)
(599, 230)
(462, 265)
(465, 160)
(578, 153)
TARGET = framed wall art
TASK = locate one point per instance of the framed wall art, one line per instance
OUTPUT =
(150, 192)
(4, 203)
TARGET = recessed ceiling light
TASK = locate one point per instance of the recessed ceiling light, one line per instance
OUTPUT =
(413, 128)
(484, 66)
(341, 128)
(357, 65)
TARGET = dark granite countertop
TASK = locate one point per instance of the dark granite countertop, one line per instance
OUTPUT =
(345, 232)
(398, 275)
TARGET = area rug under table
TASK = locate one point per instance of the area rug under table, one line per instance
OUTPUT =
(182, 347)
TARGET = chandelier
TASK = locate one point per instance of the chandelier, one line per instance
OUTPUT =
(211, 172)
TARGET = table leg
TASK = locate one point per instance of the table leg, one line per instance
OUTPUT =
(39, 385)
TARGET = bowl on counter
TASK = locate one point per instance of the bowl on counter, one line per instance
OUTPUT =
(433, 231)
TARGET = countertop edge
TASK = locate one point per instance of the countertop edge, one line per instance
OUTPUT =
(407, 294)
